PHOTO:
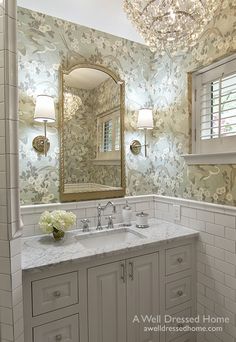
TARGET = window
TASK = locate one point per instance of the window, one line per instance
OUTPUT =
(214, 108)
(108, 126)
(106, 145)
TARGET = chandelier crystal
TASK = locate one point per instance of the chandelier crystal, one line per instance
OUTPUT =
(170, 25)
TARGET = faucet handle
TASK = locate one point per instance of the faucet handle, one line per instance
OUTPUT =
(110, 224)
(85, 223)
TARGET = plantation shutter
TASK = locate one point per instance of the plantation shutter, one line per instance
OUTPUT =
(216, 109)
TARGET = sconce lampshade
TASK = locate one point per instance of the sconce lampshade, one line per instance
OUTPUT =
(44, 109)
(145, 119)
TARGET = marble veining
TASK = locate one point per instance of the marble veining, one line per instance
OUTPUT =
(39, 252)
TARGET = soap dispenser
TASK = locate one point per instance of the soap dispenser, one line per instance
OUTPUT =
(127, 214)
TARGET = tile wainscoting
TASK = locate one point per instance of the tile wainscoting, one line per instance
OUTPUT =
(31, 214)
(216, 258)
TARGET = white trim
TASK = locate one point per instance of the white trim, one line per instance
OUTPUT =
(222, 144)
(215, 64)
(219, 208)
(212, 207)
(210, 158)
(35, 208)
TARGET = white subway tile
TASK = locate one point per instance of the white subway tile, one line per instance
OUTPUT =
(7, 332)
(206, 238)
(215, 252)
(12, 39)
(5, 282)
(230, 258)
(207, 281)
(162, 206)
(225, 267)
(230, 305)
(230, 234)
(4, 249)
(5, 299)
(201, 289)
(230, 329)
(18, 328)
(17, 295)
(142, 206)
(225, 220)
(16, 279)
(230, 281)
(201, 267)
(15, 263)
(215, 229)
(3, 231)
(18, 312)
(206, 302)
(197, 225)
(11, 8)
(206, 216)
(189, 212)
(215, 296)
(205, 259)
(215, 274)
(15, 247)
(229, 245)
(5, 266)
(225, 290)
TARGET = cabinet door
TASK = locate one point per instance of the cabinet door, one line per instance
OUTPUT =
(142, 297)
(107, 303)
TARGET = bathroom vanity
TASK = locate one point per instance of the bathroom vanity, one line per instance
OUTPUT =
(99, 286)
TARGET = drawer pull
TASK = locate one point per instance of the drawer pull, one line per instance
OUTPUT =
(122, 266)
(180, 293)
(180, 260)
(57, 294)
(131, 273)
(58, 338)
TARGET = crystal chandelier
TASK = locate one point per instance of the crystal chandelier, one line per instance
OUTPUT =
(168, 25)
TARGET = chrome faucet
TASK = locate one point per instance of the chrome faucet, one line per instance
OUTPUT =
(103, 208)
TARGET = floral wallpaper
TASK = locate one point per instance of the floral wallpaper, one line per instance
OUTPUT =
(45, 43)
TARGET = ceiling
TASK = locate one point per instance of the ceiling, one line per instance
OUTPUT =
(104, 15)
(85, 78)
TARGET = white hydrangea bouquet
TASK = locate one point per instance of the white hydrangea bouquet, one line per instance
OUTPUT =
(56, 222)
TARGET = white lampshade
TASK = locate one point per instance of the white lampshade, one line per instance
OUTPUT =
(145, 119)
(44, 109)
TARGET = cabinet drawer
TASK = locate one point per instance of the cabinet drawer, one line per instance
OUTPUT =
(63, 330)
(170, 336)
(178, 292)
(178, 259)
(190, 337)
(54, 293)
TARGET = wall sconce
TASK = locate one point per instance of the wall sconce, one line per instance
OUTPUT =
(145, 122)
(44, 113)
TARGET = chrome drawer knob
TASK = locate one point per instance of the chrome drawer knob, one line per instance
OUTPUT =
(58, 338)
(57, 294)
(180, 293)
(180, 260)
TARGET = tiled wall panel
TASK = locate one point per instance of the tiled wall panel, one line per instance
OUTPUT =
(11, 310)
(216, 259)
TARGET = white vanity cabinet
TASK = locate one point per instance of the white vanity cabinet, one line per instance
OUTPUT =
(101, 300)
(117, 292)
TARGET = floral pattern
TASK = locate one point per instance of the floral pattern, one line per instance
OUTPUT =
(45, 43)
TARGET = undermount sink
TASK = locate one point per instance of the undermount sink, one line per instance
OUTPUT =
(108, 237)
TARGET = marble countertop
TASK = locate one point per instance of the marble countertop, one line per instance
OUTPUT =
(42, 251)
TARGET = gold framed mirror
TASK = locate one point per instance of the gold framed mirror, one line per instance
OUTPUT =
(92, 109)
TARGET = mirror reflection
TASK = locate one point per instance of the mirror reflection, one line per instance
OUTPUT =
(91, 131)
